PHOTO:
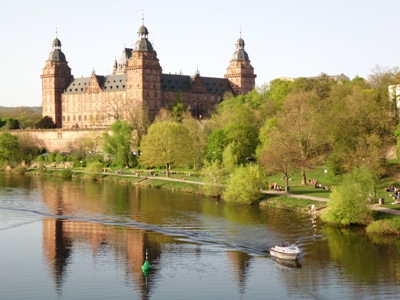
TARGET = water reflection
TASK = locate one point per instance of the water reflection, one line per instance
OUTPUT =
(61, 235)
(190, 237)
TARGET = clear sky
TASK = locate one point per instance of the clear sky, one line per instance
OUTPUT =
(284, 38)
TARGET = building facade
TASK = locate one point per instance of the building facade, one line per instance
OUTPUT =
(136, 85)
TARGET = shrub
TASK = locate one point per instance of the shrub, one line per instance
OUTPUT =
(214, 175)
(384, 227)
(66, 174)
(19, 170)
(348, 202)
(244, 187)
(93, 170)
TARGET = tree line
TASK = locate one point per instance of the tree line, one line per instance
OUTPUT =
(282, 127)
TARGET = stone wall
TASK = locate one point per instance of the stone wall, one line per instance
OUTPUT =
(62, 140)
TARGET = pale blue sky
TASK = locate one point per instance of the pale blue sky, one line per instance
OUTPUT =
(284, 38)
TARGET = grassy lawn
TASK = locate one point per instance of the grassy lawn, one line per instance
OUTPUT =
(293, 204)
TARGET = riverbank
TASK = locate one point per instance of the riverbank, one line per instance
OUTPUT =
(281, 200)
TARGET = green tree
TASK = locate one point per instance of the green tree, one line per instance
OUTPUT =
(278, 91)
(348, 203)
(178, 109)
(215, 145)
(278, 156)
(118, 144)
(12, 123)
(243, 138)
(166, 143)
(245, 184)
(45, 123)
(300, 123)
(197, 131)
(9, 148)
(215, 178)
(361, 129)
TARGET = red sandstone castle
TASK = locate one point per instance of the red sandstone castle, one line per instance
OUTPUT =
(137, 84)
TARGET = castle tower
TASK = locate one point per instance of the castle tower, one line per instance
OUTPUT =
(240, 72)
(143, 76)
(55, 78)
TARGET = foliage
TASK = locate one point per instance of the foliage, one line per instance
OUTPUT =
(166, 143)
(348, 203)
(197, 131)
(361, 129)
(215, 145)
(28, 148)
(243, 140)
(50, 157)
(45, 123)
(300, 132)
(230, 156)
(11, 123)
(117, 145)
(245, 184)
(178, 111)
(384, 227)
(93, 170)
(66, 174)
(19, 170)
(278, 90)
(27, 116)
(279, 156)
(9, 148)
(215, 178)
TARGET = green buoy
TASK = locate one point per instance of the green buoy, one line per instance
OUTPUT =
(146, 266)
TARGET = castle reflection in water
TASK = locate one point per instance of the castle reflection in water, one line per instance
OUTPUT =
(63, 234)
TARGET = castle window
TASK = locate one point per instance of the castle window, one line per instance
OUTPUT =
(84, 117)
(123, 86)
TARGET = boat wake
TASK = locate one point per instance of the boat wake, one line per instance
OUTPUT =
(201, 236)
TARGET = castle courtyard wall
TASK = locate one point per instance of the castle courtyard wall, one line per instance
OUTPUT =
(61, 140)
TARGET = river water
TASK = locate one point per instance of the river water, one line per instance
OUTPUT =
(86, 240)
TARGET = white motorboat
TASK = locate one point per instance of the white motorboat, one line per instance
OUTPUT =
(286, 251)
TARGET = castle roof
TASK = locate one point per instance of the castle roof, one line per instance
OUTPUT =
(56, 54)
(240, 53)
(174, 82)
(143, 44)
(169, 82)
(110, 83)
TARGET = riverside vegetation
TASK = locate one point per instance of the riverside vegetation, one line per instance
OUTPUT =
(286, 132)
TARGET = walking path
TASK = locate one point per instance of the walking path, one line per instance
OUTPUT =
(374, 206)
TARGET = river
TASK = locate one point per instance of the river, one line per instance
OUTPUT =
(88, 240)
